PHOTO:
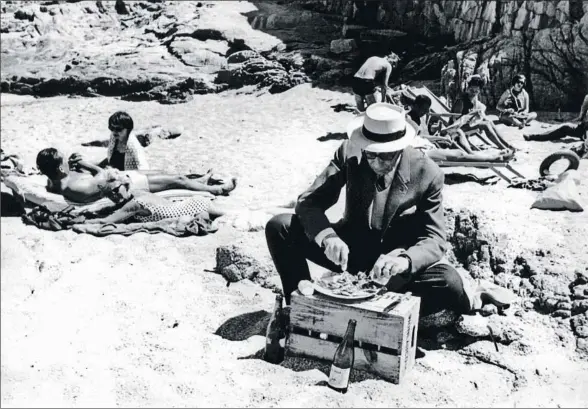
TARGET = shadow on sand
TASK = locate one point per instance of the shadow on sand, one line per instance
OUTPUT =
(332, 136)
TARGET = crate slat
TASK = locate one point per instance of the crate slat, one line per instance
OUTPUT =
(394, 332)
(331, 317)
(386, 366)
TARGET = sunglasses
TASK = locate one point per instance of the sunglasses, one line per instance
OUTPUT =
(116, 190)
(520, 82)
(116, 128)
(381, 155)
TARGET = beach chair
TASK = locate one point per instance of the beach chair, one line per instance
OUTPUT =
(439, 109)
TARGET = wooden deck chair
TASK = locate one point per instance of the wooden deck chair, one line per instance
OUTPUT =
(440, 109)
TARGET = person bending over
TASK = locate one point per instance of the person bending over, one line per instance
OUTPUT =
(513, 105)
(374, 72)
(83, 187)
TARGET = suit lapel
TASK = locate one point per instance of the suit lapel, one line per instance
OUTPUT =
(397, 190)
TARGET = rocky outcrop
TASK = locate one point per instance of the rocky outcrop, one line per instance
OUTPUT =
(162, 51)
(545, 40)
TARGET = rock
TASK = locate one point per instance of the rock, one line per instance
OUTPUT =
(581, 291)
(582, 345)
(342, 46)
(562, 313)
(242, 56)
(582, 331)
(24, 15)
(489, 309)
(579, 306)
(444, 337)
(146, 136)
(233, 264)
(440, 319)
(504, 329)
(121, 7)
(579, 320)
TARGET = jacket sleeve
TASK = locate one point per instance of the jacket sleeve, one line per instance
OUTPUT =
(135, 155)
(322, 194)
(432, 245)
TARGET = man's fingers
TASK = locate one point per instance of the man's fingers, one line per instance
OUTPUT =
(344, 257)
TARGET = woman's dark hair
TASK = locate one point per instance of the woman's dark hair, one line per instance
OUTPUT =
(120, 119)
(48, 162)
(423, 101)
(518, 78)
(476, 81)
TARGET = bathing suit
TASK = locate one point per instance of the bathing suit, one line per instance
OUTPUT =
(363, 86)
(188, 207)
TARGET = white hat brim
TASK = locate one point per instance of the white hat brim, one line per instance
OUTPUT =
(354, 132)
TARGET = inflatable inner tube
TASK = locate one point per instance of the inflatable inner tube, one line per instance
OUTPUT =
(572, 158)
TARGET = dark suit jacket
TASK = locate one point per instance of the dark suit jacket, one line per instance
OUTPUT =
(417, 184)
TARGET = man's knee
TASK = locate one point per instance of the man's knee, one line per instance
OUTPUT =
(278, 224)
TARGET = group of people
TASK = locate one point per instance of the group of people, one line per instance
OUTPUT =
(393, 225)
(124, 177)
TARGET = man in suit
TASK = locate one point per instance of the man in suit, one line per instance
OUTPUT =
(393, 226)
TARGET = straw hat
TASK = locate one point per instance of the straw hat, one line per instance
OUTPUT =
(382, 128)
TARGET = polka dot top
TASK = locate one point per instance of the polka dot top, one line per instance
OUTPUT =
(188, 207)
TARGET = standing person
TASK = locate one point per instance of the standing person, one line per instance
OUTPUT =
(513, 105)
(380, 233)
(373, 73)
(576, 131)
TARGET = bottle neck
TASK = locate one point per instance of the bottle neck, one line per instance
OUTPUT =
(350, 333)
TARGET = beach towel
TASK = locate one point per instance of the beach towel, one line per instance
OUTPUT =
(199, 225)
(33, 190)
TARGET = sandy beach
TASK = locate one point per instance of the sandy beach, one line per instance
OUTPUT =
(144, 321)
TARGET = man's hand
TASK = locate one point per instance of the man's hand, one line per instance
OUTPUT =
(74, 161)
(337, 251)
(509, 111)
(387, 266)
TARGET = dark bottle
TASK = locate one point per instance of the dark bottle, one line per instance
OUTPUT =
(275, 334)
(343, 361)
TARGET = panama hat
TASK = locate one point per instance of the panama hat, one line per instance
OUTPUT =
(382, 128)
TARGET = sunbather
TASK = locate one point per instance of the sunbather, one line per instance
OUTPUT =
(513, 105)
(83, 187)
(579, 131)
(144, 206)
(469, 103)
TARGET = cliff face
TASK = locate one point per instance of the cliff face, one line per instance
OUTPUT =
(464, 20)
(547, 40)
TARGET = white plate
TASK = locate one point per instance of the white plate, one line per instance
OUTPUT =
(327, 292)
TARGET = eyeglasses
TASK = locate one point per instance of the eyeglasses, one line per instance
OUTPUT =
(115, 190)
(116, 128)
(520, 82)
(381, 155)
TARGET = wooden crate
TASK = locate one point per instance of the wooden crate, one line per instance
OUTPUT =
(385, 342)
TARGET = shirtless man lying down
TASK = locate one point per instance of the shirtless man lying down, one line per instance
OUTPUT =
(82, 187)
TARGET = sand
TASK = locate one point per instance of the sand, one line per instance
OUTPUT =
(143, 321)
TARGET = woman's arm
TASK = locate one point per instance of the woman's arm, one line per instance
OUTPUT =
(501, 105)
(124, 213)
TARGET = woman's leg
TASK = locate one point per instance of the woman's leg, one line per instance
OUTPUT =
(530, 116)
(510, 120)
(494, 134)
(159, 183)
(456, 155)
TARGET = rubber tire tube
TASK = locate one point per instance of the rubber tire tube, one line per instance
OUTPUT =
(572, 157)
